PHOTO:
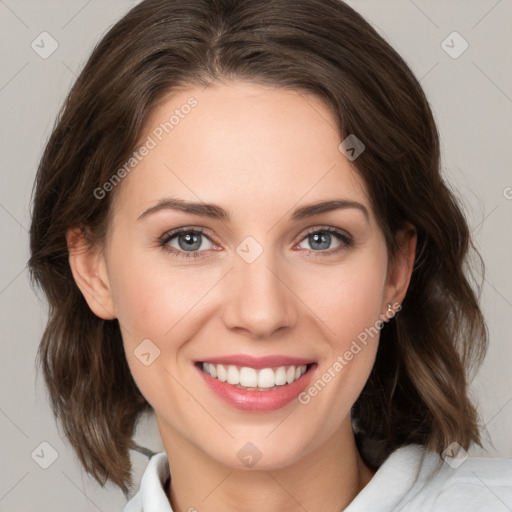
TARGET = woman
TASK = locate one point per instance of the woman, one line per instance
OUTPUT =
(240, 224)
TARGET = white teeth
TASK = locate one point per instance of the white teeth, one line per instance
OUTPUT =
(247, 377)
(280, 377)
(266, 378)
(222, 374)
(233, 375)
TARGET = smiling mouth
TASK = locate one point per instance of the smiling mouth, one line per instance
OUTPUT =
(252, 379)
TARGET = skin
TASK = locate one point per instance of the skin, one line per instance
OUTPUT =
(259, 153)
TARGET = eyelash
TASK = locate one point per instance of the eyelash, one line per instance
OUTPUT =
(346, 241)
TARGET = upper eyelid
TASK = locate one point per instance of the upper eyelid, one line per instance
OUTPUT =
(329, 229)
(179, 231)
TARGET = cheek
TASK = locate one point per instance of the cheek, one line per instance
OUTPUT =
(346, 298)
(149, 298)
(157, 318)
(160, 307)
(347, 302)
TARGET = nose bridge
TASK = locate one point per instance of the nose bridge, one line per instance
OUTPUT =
(260, 302)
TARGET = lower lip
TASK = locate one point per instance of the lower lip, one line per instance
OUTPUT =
(258, 401)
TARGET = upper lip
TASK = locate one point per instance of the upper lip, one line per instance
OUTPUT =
(257, 362)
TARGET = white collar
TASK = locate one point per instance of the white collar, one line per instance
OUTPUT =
(152, 486)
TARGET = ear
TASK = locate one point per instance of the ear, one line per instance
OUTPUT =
(89, 271)
(401, 266)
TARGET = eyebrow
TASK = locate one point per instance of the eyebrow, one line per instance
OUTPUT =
(214, 211)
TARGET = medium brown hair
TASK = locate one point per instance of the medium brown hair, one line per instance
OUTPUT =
(418, 389)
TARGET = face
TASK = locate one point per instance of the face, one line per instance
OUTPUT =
(260, 286)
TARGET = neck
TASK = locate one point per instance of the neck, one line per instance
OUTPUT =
(328, 479)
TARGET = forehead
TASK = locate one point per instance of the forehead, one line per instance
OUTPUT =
(241, 144)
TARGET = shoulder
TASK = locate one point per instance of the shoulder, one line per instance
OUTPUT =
(413, 479)
(471, 484)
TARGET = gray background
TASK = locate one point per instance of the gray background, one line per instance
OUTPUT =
(471, 96)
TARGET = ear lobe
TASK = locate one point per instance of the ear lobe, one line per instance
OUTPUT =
(90, 274)
(399, 275)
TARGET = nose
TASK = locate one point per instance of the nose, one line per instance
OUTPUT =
(260, 298)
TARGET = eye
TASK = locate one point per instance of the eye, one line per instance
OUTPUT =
(186, 243)
(189, 243)
(321, 239)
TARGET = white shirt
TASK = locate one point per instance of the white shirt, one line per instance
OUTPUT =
(410, 479)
